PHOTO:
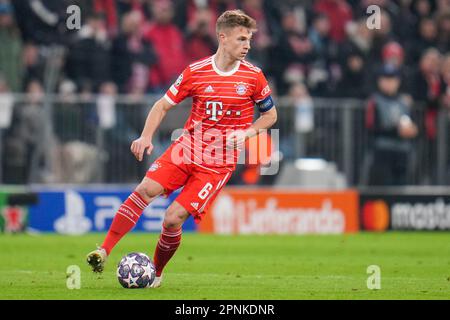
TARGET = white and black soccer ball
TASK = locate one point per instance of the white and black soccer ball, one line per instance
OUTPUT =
(136, 270)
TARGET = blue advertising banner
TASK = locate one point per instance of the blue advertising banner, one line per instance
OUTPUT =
(78, 211)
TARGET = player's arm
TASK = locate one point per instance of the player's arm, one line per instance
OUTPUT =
(265, 105)
(176, 93)
(265, 121)
(154, 118)
(267, 118)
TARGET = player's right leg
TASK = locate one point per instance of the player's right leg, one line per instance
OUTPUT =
(124, 220)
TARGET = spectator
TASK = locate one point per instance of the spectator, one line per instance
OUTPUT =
(442, 5)
(114, 123)
(77, 157)
(201, 39)
(392, 54)
(324, 72)
(427, 87)
(186, 11)
(33, 61)
(354, 79)
(304, 119)
(339, 13)
(123, 7)
(25, 135)
(292, 55)
(11, 48)
(384, 48)
(89, 56)
(261, 39)
(71, 118)
(6, 117)
(66, 113)
(41, 22)
(423, 9)
(359, 40)
(443, 41)
(6, 105)
(171, 54)
(359, 37)
(319, 34)
(381, 37)
(132, 56)
(388, 118)
(107, 8)
(446, 81)
(426, 38)
(404, 21)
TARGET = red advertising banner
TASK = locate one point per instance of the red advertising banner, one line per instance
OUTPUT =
(282, 211)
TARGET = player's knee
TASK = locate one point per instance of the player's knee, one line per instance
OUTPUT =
(149, 189)
(175, 216)
(173, 222)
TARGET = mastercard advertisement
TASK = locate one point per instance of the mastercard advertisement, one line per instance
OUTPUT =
(278, 211)
(375, 215)
(415, 212)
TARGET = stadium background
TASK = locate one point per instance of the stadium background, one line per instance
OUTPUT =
(71, 102)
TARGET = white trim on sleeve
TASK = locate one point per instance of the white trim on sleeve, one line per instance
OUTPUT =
(169, 100)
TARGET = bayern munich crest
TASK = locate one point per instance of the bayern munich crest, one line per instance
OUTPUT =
(155, 166)
(241, 89)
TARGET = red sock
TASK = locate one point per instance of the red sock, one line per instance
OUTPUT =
(124, 220)
(168, 243)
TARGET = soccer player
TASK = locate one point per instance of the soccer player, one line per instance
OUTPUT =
(225, 89)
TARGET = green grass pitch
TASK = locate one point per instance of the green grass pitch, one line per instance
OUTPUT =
(413, 266)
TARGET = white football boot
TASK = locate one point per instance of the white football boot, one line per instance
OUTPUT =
(157, 282)
(97, 259)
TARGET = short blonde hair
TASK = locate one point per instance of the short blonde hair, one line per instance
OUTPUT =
(235, 18)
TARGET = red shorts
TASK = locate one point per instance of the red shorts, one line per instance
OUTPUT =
(201, 184)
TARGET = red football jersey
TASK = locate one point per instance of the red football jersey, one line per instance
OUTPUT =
(222, 102)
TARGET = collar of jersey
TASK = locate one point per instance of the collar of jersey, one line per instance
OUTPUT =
(222, 73)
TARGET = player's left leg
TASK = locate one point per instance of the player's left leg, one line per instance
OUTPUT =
(170, 238)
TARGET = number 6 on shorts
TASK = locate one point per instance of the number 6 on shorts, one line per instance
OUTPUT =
(205, 191)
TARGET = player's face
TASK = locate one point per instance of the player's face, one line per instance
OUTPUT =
(236, 42)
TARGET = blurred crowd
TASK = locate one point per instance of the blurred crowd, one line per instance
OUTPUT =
(322, 48)
(142, 45)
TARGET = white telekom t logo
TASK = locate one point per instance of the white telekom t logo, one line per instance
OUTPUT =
(214, 108)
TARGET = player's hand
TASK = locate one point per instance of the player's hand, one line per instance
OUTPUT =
(236, 139)
(139, 146)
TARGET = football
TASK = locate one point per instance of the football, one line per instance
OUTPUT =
(136, 270)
